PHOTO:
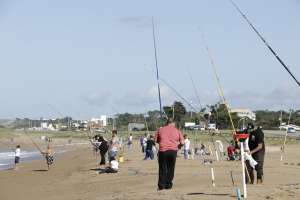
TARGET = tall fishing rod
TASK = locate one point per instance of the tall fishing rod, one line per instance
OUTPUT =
(220, 88)
(265, 42)
(156, 65)
(221, 92)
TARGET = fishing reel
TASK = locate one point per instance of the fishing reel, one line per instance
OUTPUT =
(241, 136)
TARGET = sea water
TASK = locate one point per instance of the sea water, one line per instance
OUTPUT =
(7, 158)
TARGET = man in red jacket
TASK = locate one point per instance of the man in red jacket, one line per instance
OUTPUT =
(169, 139)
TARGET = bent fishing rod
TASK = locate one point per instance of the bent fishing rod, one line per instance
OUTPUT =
(175, 91)
(265, 42)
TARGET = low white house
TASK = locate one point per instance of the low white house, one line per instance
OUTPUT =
(244, 112)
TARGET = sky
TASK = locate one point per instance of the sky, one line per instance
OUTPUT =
(88, 58)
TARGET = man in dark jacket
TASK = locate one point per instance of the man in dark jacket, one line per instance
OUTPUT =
(257, 150)
(103, 149)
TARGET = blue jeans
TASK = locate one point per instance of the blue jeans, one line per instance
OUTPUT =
(149, 154)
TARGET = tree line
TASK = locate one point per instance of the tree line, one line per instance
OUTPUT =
(216, 113)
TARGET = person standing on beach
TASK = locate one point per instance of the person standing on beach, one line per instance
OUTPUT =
(48, 156)
(103, 147)
(114, 145)
(169, 139)
(144, 143)
(186, 147)
(17, 156)
(257, 150)
(149, 148)
(130, 141)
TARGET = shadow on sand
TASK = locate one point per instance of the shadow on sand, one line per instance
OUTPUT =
(208, 194)
(40, 170)
(96, 169)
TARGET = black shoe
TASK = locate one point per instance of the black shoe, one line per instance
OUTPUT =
(168, 187)
(160, 188)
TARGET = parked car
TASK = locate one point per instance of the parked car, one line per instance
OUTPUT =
(291, 130)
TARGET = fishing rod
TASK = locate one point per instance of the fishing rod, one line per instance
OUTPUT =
(33, 142)
(221, 93)
(196, 91)
(220, 88)
(156, 66)
(174, 90)
(265, 42)
(178, 94)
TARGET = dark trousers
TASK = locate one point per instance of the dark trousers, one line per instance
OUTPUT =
(149, 154)
(166, 162)
(102, 153)
(259, 157)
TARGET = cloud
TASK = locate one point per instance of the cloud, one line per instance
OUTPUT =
(97, 99)
(281, 97)
(166, 93)
(144, 100)
(136, 21)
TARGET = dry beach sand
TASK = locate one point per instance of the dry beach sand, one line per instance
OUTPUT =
(73, 177)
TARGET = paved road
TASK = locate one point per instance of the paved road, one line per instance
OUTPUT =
(281, 133)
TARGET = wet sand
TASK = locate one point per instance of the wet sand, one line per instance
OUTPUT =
(73, 177)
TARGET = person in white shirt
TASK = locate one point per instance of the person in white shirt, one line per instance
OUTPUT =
(186, 146)
(17, 155)
(113, 167)
(130, 141)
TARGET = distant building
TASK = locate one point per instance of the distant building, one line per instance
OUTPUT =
(136, 126)
(44, 125)
(244, 112)
(103, 118)
(97, 123)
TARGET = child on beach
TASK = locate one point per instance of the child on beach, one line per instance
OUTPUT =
(130, 140)
(186, 146)
(49, 156)
(17, 155)
(149, 148)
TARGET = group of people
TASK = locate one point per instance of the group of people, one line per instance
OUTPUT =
(48, 154)
(169, 140)
(108, 151)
